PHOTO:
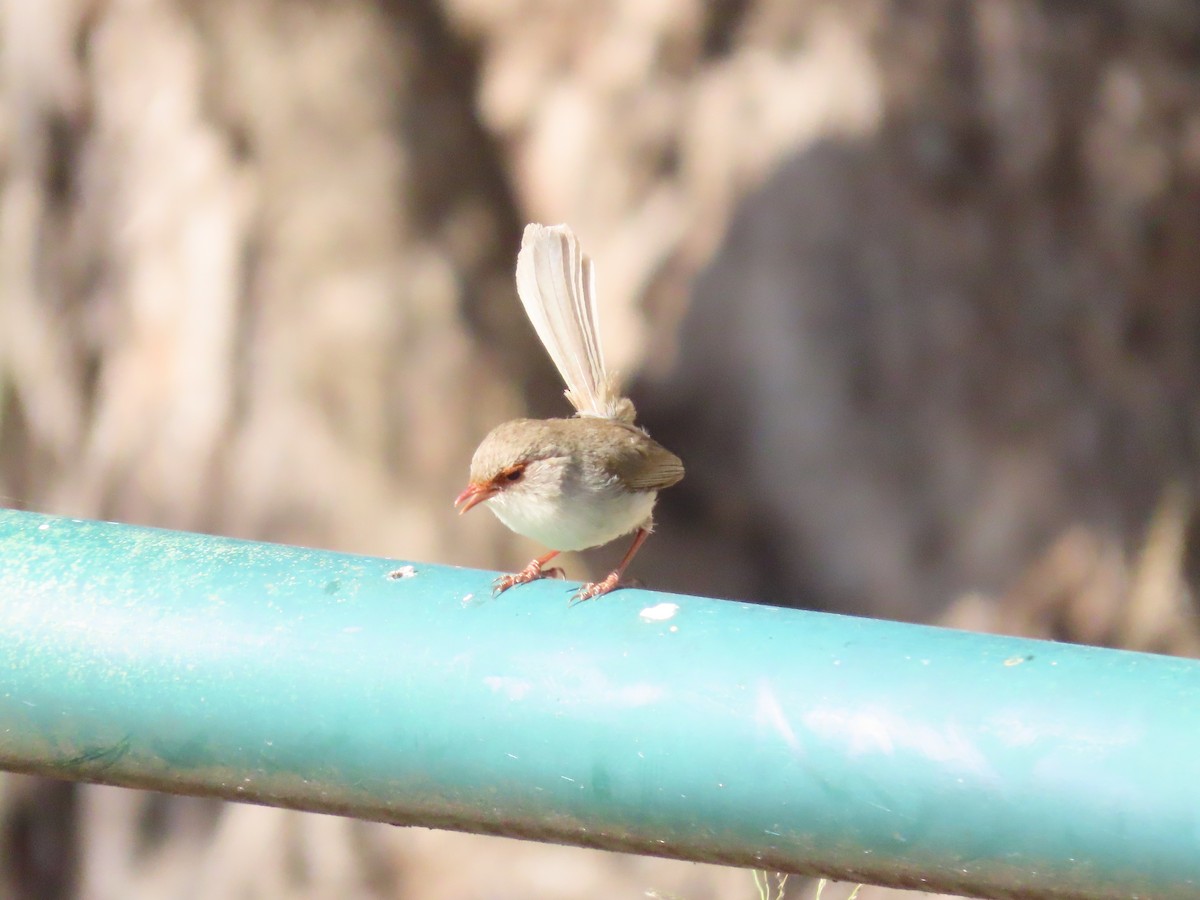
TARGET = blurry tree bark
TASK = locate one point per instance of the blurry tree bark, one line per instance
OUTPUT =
(913, 288)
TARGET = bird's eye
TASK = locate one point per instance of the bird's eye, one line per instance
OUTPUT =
(514, 474)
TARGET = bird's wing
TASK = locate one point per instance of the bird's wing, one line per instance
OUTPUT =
(647, 465)
(557, 288)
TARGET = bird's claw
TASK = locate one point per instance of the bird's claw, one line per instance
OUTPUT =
(504, 582)
(534, 572)
(531, 572)
(594, 589)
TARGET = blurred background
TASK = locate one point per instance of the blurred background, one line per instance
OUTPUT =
(913, 287)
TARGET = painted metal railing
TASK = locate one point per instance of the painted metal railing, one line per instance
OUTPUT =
(662, 724)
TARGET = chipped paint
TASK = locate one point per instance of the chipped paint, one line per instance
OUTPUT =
(660, 612)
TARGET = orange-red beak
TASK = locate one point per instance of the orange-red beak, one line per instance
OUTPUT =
(473, 495)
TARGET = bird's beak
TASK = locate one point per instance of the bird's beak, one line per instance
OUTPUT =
(473, 495)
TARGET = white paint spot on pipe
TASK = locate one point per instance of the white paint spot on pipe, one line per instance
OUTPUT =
(659, 613)
(402, 572)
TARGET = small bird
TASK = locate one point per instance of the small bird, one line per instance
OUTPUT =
(570, 483)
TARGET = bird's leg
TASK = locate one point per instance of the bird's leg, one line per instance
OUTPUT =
(610, 581)
(531, 572)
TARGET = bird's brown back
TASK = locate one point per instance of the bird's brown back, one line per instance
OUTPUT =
(638, 461)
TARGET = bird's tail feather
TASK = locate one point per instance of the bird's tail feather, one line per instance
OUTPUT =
(557, 288)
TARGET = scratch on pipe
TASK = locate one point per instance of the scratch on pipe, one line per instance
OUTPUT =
(771, 713)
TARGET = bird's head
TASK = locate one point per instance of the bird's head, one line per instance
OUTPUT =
(519, 459)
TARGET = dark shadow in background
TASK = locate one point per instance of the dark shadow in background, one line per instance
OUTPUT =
(920, 357)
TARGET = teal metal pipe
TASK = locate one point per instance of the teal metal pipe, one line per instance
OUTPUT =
(664, 724)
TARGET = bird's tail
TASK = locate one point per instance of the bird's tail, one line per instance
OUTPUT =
(557, 288)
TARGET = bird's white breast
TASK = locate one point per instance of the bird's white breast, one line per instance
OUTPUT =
(568, 521)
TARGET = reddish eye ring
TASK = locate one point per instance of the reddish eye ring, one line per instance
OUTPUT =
(516, 473)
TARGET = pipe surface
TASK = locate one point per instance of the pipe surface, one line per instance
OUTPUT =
(671, 725)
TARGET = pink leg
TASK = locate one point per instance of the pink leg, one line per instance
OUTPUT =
(613, 579)
(531, 572)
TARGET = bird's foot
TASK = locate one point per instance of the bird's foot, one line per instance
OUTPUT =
(595, 589)
(531, 572)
